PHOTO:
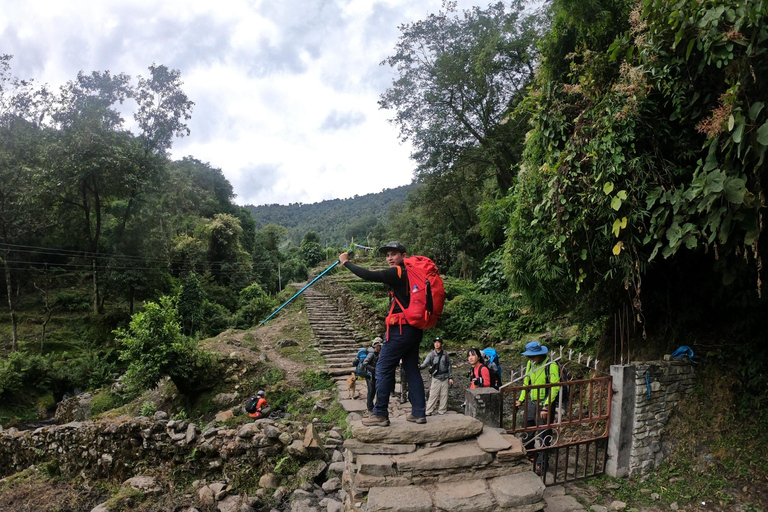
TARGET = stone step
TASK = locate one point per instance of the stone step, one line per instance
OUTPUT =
(521, 492)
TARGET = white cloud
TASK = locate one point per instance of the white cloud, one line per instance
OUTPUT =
(286, 92)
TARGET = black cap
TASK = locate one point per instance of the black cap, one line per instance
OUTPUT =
(438, 338)
(397, 246)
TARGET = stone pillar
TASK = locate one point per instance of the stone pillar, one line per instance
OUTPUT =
(483, 404)
(622, 420)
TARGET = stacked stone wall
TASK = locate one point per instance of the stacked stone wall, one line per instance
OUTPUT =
(115, 448)
(669, 382)
(360, 315)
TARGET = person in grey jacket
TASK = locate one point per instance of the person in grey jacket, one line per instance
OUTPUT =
(439, 365)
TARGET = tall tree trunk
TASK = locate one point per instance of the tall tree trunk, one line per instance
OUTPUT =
(9, 291)
(95, 281)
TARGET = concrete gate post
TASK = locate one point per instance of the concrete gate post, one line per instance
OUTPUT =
(483, 404)
(622, 420)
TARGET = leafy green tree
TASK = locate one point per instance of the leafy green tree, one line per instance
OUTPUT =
(229, 262)
(456, 79)
(154, 347)
(311, 253)
(309, 237)
(23, 214)
(191, 304)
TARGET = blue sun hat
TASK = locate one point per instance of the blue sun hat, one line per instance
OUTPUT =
(534, 348)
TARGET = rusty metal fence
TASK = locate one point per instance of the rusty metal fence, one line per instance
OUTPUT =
(566, 440)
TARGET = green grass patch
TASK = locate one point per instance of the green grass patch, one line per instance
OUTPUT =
(302, 353)
(314, 380)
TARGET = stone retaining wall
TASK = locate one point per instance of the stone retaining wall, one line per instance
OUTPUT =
(115, 447)
(639, 420)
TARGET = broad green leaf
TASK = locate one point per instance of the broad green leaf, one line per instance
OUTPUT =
(731, 122)
(622, 194)
(690, 48)
(608, 187)
(755, 109)
(737, 133)
(711, 161)
(762, 134)
(715, 181)
(623, 222)
(583, 254)
(655, 250)
(725, 229)
(616, 227)
(673, 234)
(690, 242)
(616, 203)
(735, 188)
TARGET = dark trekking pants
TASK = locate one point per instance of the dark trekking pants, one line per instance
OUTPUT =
(401, 345)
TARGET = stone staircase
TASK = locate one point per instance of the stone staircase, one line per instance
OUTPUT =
(337, 343)
(452, 462)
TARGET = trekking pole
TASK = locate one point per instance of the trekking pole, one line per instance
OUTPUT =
(299, 292)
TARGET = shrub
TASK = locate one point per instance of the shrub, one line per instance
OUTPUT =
(105, 401)
(148, 408)
(21, 371)
(251, 292)
(155, 348)
(216, 318)
(254, 311)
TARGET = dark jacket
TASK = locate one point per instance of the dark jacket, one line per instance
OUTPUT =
(370, 362)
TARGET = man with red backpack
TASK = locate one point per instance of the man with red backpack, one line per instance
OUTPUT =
(402, 341)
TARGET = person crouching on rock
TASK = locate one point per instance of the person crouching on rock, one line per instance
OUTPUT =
(479, 375)
(262, 409)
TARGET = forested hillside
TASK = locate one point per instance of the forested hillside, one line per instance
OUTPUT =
(336, 221)
(97, 223)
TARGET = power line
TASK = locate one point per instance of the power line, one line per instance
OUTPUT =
(51, 251)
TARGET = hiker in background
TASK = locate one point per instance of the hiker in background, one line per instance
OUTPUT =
(403, 384)
(439, 365)
(370, 365)
(540, 370)
(479, 376)
(262, 409)
(402, 340)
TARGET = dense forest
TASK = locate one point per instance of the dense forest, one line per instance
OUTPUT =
(337, 221)
(592, 168)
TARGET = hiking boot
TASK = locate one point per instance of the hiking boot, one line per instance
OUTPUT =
(414, 419)
(376, 421)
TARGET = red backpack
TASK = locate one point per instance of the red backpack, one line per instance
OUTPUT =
(426, 292)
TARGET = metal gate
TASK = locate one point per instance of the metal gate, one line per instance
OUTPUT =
(567, 442)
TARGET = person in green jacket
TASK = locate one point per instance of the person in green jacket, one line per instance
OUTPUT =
(539, 403)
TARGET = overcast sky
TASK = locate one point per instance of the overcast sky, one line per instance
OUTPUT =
(285, 91)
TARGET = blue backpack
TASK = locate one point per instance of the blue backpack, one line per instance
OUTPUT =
(360, 370)
(493, 365)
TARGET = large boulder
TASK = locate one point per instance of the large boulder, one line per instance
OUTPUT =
(448, 427)
(76, 408)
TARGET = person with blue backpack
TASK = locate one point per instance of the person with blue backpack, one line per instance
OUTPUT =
(369, 364)
(539, 402)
